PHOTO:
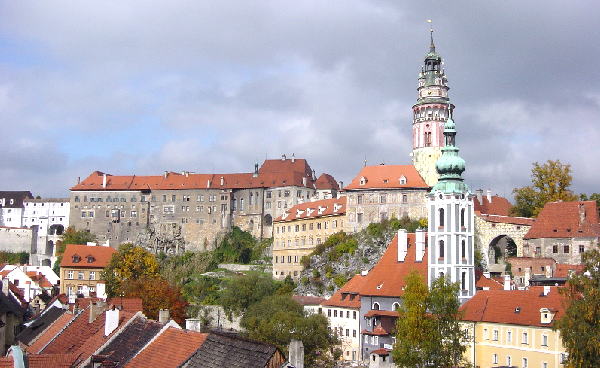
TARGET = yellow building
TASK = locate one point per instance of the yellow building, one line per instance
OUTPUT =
(297, 233)
(81, 266)
(513, 328)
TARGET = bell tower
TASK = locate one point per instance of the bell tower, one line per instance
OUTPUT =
(429, 115)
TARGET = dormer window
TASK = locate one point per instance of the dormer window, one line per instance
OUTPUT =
(90, 259)
(76, 258)
(363, 180)
(402, 180)
(518, 310)
(546, 316)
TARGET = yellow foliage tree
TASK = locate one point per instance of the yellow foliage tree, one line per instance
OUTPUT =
(130, 263)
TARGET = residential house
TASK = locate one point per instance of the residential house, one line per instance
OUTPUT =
(301, 229)
(12, 314)
(11, 207)
(50, 216)
(30, 283)
(514, 328)
(81, 267)
(311, 304)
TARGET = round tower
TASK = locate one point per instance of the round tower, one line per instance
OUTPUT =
(429, 115)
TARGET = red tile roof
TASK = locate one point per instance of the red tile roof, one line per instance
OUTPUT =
(482, 282)
(507, 219)
(308, 300)
(517, 307)
(326, 181)
(347, 296)
(42, 361)
(330, 207)
(373, 313)
(387, 177)
(498, 206)
(49, 334)
(575, 219)
(169, 349)
(127, 304)
(387, 278)
(382, 351)
(100, 256)
(564, 270)
(273, 173)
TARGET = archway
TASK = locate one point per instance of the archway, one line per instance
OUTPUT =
(268, 220)
(499, 250)
(56, 229)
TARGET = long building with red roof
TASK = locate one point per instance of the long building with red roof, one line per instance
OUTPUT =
(186, 210)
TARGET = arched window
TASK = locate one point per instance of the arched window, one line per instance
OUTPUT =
(463, 281)
(375, 306)
(441, 249)
(463, 248)
(462, 217)
(395, 306)
(441, 217)
(268, 220)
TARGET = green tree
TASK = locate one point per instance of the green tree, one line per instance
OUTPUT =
(591, 197)
(71, 236)
(549, 182)
(128, 264)
(428, 331)
(241, 291)
(278, 319)
(580, 325)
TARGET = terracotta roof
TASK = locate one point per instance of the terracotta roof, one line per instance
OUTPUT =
(347, 296)
(308, 300)
(377, 331)
(170, 349)
(18, 294)
(82, 337)
(231, 351)
(373, 313)
(273, 173)
(517, 307)
(85, 256)
(564, 270)
(39, 325)
(382, 351)
(326, 181)
(507, 219)
(42, 361)
(387, 177)
(51, 332)
(482, 282)
(324, 207)
(575, 219)
(387, 276)
(498, 206)
(127, 304)
(130, 341)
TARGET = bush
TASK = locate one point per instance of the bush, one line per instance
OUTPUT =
(340, 280)
(14, 258)
(305, 261)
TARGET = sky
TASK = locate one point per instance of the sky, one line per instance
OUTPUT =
(140, 87)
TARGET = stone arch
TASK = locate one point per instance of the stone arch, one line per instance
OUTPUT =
(56, 229)
(499, 249)
(268, 220)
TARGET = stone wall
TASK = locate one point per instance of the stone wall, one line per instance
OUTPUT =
(486, 232)
(17, 239)
(563, 250)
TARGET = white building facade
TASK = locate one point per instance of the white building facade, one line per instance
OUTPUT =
(51, 217)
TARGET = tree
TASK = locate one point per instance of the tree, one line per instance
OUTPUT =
(580, 325)
(592, 197)
(278, 319)
(129, 264)
(156, 294)
(71, 236)
(239, 292)
(428, 331)
(549, 182)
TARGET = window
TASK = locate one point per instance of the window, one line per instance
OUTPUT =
(555, 249)
(80, 275)
(70, 275)
(544, 340)
(173, 198)
(524, 339)
(508, 361)
(353, 314)
(92, 275)
(494, 333)
(353, 333)
(359, 199)
(462, 217)
(168, 210)
(335, 312)
(581, 248)
(328, 312)
(404, 198)
(494, 358)
(463, 248)
(525, 363)
(509, 336)
(383, 198)
(359, 217)
(566, 249)
(441, 255)
(347, 332)
(375, 306)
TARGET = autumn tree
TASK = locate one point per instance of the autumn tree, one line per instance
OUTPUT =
(428, 331)
(156, 294)
(549, 182)
(128, 264)
(71, 236)
(580, 325)
(278, 319)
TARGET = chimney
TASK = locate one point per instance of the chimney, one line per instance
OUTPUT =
(546, 290)
(283, 157)
(296, 353)
(549, 271)
(208, 183)
(163, 316)
(420, 244)
(402, 245)
(111, 321)
(222, 181)
(581, 214)
(489, 195)
(304, 181)
(165, 174)
(341, 184)
(293, 158)
(506, 282)
(96, 309)
(5, 286)
(527, 275)
(486, 274)
(479, 194)
(103, 180)
(78, 179)
(255, 170)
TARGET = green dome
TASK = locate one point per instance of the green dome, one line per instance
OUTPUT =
(449, 125)
(433, 56)
(450, 164)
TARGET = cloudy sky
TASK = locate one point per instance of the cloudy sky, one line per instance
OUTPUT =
(213, 86)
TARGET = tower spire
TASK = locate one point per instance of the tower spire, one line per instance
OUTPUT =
(431, 45)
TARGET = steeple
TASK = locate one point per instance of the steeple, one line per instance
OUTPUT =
(450, 165)
(432, 45)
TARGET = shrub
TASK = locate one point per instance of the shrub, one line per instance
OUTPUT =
(340, 280)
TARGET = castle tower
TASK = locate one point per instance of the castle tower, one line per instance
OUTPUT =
(451, 220)
(429, 115)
